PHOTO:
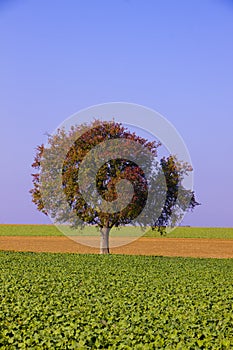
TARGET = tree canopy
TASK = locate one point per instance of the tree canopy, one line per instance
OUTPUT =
(103, 174)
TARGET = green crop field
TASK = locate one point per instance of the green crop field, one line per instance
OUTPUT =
(196, 232)
(29, 230)
(71, 301)
(179, 232)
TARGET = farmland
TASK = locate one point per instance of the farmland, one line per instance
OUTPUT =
(72, 301)
(179, 232)
(88, 301)
(182, 242)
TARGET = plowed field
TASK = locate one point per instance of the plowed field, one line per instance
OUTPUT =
(184, 247)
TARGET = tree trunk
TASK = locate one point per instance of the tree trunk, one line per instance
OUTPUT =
(104, 240)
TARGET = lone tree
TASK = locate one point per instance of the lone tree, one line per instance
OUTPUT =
(83, 176)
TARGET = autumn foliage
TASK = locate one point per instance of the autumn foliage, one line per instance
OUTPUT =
(157, 197)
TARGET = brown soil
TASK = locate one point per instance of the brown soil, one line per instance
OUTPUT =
(185, 247)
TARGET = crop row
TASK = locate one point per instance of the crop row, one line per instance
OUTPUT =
(70, 301)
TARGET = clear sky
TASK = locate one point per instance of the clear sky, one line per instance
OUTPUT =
(176, 57)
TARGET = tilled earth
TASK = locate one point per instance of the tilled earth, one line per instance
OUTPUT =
(184, 247)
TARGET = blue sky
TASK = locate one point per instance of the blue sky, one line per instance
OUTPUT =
(176, 57)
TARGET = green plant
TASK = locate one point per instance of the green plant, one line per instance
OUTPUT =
(69, 301)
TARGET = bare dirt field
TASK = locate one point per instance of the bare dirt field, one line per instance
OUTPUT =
(183, 247)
